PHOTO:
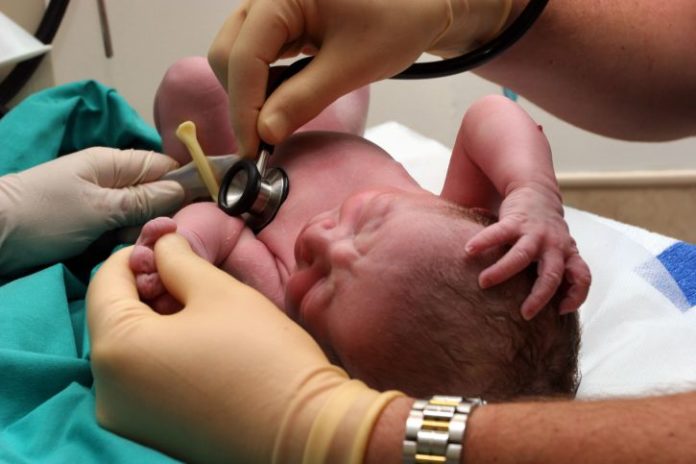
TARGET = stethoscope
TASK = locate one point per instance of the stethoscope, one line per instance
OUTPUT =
(255, 193)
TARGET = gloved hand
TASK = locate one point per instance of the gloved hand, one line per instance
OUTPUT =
(355, 41)
(55, 210)
(229, 378)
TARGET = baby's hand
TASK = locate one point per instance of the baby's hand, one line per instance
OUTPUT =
(142, 263)
(531, 220)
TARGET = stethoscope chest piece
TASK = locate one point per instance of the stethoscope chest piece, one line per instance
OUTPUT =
(253, 193)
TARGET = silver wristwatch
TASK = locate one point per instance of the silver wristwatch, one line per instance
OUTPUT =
(435, 429)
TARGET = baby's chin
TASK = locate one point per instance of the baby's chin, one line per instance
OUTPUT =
(295, 290)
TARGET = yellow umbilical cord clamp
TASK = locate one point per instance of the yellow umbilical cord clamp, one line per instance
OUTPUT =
(186, 132)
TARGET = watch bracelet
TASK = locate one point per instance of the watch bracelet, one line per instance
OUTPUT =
(435, 429)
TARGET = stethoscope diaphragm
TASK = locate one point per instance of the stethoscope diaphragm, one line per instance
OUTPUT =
(253, 193)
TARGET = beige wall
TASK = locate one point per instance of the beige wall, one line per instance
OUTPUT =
(148, 35)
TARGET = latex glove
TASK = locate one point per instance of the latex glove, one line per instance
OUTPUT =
(55, 210)
(355, 41)
(531, 220)
(229, 378)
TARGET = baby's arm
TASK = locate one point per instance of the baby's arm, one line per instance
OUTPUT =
(216, 237)
(502, 161)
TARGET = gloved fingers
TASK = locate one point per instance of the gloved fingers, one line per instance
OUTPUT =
(115, 168)
(112, 298)
(262, 37)
(186, 275)
(133, 206)
(306, 94)
(219, 52)
(203, 288)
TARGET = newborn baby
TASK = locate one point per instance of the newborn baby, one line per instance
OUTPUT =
(376, 268)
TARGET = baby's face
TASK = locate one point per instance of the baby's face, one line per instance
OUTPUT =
(347, 288)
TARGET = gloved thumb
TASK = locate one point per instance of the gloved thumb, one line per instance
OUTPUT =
(188, 277)
(201, 287)
(306, 94)
(112, 297)
(173, 254)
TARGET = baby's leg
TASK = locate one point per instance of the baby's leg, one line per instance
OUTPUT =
(190, 91)
(347, 114)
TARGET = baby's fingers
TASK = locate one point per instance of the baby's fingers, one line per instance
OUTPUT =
(550, 276)
(496, 234)
(578, 278)
(515, 260)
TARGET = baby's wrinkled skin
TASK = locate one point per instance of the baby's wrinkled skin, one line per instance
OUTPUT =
(352, 218)
(323, 168)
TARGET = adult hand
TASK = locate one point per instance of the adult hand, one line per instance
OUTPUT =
(55, 210)
(229, 378)
(355, 42)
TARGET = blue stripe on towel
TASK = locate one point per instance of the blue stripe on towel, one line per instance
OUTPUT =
(680, 262)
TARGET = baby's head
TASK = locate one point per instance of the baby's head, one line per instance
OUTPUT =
(386, 288)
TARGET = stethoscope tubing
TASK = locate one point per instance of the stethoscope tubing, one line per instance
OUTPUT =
(459, 64)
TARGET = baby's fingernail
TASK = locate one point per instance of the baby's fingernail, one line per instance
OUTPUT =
(527, 314)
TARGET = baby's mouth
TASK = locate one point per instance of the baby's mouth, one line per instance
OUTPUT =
(299, 284)
(307, 293)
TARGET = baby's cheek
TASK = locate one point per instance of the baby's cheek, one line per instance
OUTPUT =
(360, 332)
(389, 348)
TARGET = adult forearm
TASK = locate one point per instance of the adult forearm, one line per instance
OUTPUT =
(618, 68)
(656, 429)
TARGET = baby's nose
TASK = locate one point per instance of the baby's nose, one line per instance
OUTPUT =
(314, 242)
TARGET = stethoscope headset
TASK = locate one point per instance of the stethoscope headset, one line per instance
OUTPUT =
(255, 193)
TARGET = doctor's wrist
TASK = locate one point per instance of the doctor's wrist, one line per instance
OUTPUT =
(386, 441)
(473, 23)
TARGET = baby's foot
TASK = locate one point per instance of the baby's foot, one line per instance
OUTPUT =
(142, 263)
(347, 114)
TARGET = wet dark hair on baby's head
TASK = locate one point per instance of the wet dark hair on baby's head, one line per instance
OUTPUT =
(519, 358)
(479, 345)
(541, 356)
